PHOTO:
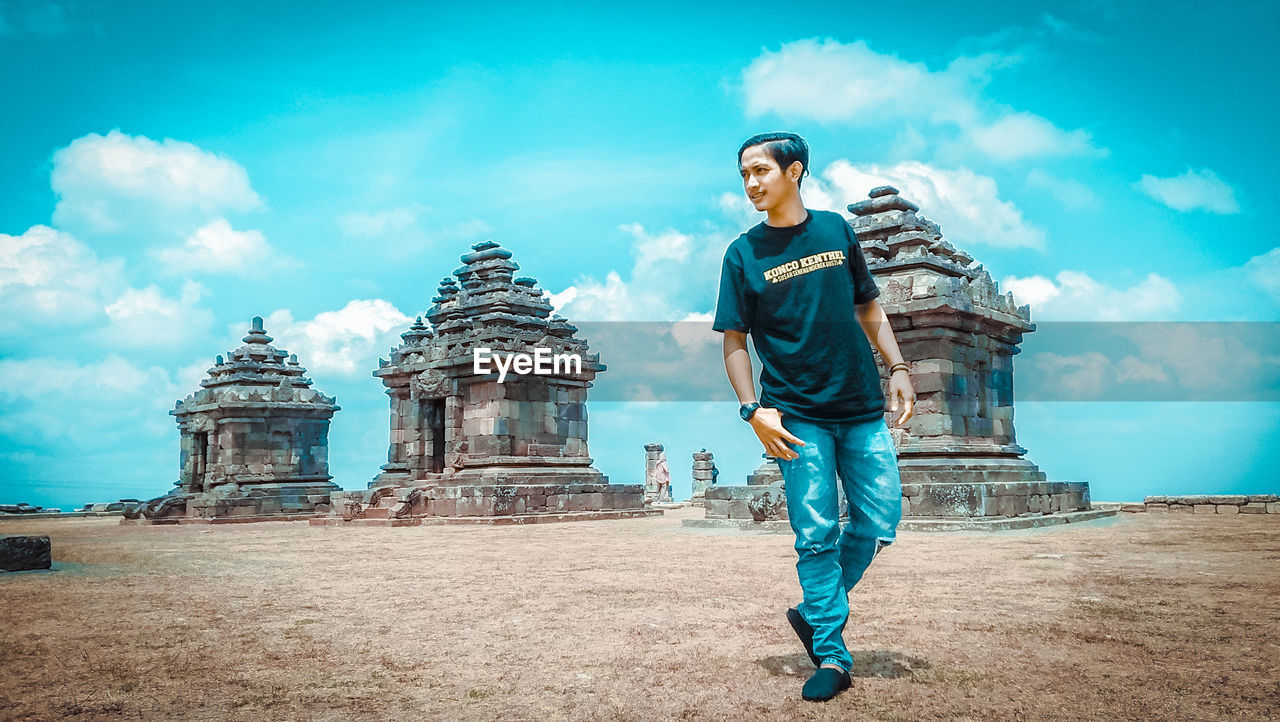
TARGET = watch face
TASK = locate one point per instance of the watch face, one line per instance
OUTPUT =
(747, 410)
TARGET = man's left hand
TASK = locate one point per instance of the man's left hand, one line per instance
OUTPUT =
(900, 390)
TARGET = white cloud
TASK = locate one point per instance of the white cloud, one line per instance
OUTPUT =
(613, 300)
(46, 399)
(116, 182)
(218, 248)
(1070, 193)
(829, 81)
(1200, 356)
(47, 277)
(1075, 296)
(965, 204)
(346, 341)
(1024, 135)
(1131, 368)
(656, 252)
(694, 330)
(1264, 270)
(1082, 376)
(147, 317)
(560, 300)
(1193, 190)
(674, 274)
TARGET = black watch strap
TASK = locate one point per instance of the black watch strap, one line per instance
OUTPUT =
(746, 410)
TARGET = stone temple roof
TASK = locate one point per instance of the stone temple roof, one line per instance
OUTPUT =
(896, 238)
(256, 372)
(484, 304)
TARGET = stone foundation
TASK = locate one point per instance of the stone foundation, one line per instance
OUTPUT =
(737, 502)
(414, 505)
(1198, 504)
(265, 500)
(993, 499)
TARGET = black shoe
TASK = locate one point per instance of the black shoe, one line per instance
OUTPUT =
(804, 632)
(825, 684)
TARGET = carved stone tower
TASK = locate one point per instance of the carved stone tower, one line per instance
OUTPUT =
(958, 455)
(470, 440)
(255, 440)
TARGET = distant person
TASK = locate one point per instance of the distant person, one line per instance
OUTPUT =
(663, 474)
(799, 285)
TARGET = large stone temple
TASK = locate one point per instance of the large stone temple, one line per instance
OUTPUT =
(958, 454)
(471, 442)
(254, 442)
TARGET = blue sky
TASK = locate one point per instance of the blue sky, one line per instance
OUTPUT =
(171, 170)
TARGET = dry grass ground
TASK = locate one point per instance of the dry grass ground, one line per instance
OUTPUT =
(1142, 616)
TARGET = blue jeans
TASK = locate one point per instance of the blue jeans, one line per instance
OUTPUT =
(832, 559)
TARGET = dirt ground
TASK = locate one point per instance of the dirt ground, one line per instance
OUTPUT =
(1142, 617)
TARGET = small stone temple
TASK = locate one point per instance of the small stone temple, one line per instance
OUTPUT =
(957, 456)
(470, 443)
(254, 442)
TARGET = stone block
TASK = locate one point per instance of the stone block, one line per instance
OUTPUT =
(738, 509)
(1273, 507)
(717, 508)
(1133, 508)
(1157, 507)
(1253, 508)
(1205, 509)
(23, 553)
(1004, 505)
(1228, 509)
(1179, 508)
(1229, 499)
(1264, 498)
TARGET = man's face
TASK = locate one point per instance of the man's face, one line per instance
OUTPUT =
(767, 185)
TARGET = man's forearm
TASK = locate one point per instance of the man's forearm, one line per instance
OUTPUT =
(875, 324)
(737, 364)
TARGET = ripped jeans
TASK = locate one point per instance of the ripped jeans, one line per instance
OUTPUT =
(833, 559)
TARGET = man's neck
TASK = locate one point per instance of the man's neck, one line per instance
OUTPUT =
(791, 213)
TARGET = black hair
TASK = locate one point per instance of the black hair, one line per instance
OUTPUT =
(784, 148)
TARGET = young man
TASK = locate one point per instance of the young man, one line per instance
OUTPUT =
(799, 284)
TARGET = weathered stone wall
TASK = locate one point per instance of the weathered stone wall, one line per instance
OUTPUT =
(1209, 504)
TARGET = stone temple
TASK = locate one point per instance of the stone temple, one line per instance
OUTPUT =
(958, 455)
(468, 445)
(254, 442)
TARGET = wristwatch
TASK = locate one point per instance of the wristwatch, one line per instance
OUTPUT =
(747, 410)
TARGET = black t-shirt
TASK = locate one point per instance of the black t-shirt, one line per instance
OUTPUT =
(794, 289)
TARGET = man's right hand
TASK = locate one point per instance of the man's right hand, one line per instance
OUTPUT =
(767, 424)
